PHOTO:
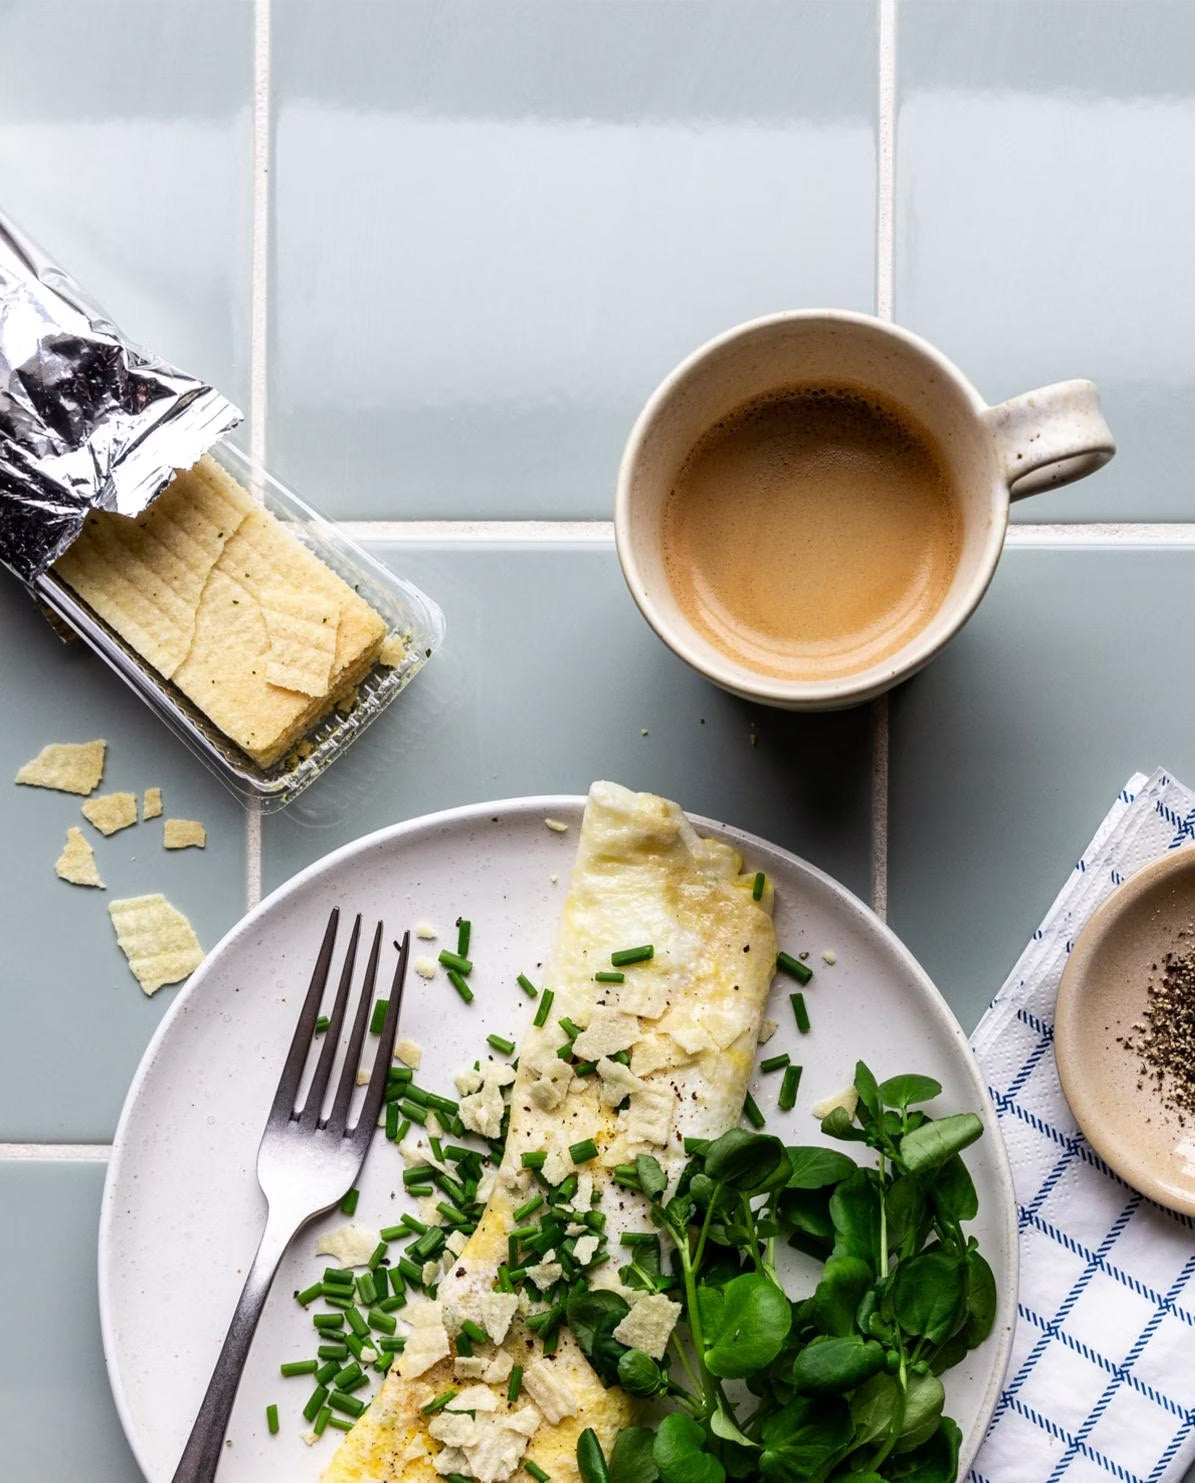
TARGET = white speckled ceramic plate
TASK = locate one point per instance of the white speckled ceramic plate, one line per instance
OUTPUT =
(182, 1212)
(1102, 996)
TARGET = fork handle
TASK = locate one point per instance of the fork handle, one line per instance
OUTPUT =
(205, 1446)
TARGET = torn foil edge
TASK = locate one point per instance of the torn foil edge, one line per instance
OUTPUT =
(87, 419)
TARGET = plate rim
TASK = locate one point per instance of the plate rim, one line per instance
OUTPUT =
(1002, 1334)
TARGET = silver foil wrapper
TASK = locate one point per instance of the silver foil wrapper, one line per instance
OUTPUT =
(87, 420)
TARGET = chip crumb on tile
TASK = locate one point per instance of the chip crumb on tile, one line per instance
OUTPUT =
(829, 956)
(111, 812)
(77, 864)
(425, 967)
(426, 931)
(409, 1052)
(179, 834)
(70, 767)
(557, 826)
(158, 941)
(151, 804)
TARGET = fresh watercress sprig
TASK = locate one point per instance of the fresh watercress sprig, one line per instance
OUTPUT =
(841, 1385)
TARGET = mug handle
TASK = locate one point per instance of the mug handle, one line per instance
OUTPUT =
(1050, 437)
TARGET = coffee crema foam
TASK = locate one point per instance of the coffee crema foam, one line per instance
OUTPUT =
(812, 533)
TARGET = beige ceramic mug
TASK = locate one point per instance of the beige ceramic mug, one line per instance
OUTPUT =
(990, 456)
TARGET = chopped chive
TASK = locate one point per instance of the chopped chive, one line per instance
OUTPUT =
(333, 1351)
(367, 1289)
(379, 1251)
(801, 1013)
(349, 1404)
(411, 1272)
(459, 984)
(272, 1420)
(393, 1303)
(624, 957)
(339, 1276)
(378, 1018)
(348, 1206)
(757, 885)
(464, 930)
(394, 1233)
(775, 1063)
(420, 1174)
(552, 1341)
(309, 1293)
(335, 1295)
(786, 963)
(404, 1128)
(413, 1112)
(611, 977)
(500, 1044)
(545, 1004)
(456, 961)
(341, 1423)
(529, 1208)
(322, 1024)
(298, 1367)
(535, 1159)
(582, 1152)
(357, 1323)
(439, 1403)
(570, 1028)
(328, 1321)
(385, 1323)
(349, 1378)
(585, 1068)
(320, 1424)
(537, 1472)
(316, 1399)
(399, 1073)
(392, 1116)
(392, 1346)
(514, 1384)
(527, 986)
(475, 1332)
(752, 1113)
(326, 1372)
(788, 1088)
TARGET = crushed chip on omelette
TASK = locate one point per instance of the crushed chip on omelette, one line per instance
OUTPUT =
(77, 864)
(111, 811)
(71, 767)
(158, 941)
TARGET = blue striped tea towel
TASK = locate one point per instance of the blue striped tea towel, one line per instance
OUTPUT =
(1101, 1382)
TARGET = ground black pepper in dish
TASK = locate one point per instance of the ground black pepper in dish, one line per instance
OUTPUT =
(1164, 1038)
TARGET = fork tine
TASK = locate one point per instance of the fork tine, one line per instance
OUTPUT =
(296, 1057)
(310, 1115)
(376, 1089)
(352, 1055)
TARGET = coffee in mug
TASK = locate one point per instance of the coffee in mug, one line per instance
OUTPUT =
(812, 532)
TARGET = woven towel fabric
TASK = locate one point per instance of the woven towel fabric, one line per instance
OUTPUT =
(1101, 1382)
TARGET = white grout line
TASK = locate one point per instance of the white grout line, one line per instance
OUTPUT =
(885, 269)
(459, 532)
(55, 1153)
(259, 325)
(1095, 535)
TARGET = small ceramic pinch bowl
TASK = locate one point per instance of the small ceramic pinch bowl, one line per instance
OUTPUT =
(1130, 1120)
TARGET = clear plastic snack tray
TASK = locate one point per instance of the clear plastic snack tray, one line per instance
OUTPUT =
(407, 612)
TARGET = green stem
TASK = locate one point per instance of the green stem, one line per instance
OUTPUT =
(883, 1223)
(748, 1216)
(689, 1272)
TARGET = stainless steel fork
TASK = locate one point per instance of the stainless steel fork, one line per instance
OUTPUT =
(306, 1163)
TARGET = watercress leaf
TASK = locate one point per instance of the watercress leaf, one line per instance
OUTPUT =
(808, 1210)
(903, 1091)
(679, 1213)
(952, 1353)
(640, 1375)
(838, 1123)
(929, 1146)
(591, 1460)
(815, 1167)
(744, 1161)
(593, 1317)
(929, 1293)
(953, 1191)
(678, 1452)
(905, 1210)
(703, 1189)
(923, 1411)
(651, 1177)
(981, 1299)
(836, 1299)
(751, 1325)
(869, 1092)
(857, 1478)
(803, 1441)
(723, 1424)
(630, 1459)
(874, 1407)
(855, 1211)
(834, 1366)
(935, 1461)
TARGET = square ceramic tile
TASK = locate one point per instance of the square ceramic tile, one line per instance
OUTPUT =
(56, 1411)
(126, 152)
(76, 1020)
(496, 226)
(1009, 749)
(1044, 230)
(549, 678)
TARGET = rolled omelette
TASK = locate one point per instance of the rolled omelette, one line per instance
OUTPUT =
(689, 1019)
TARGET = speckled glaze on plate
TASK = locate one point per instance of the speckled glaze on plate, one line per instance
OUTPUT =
(1103, 992)
(182, 1211)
